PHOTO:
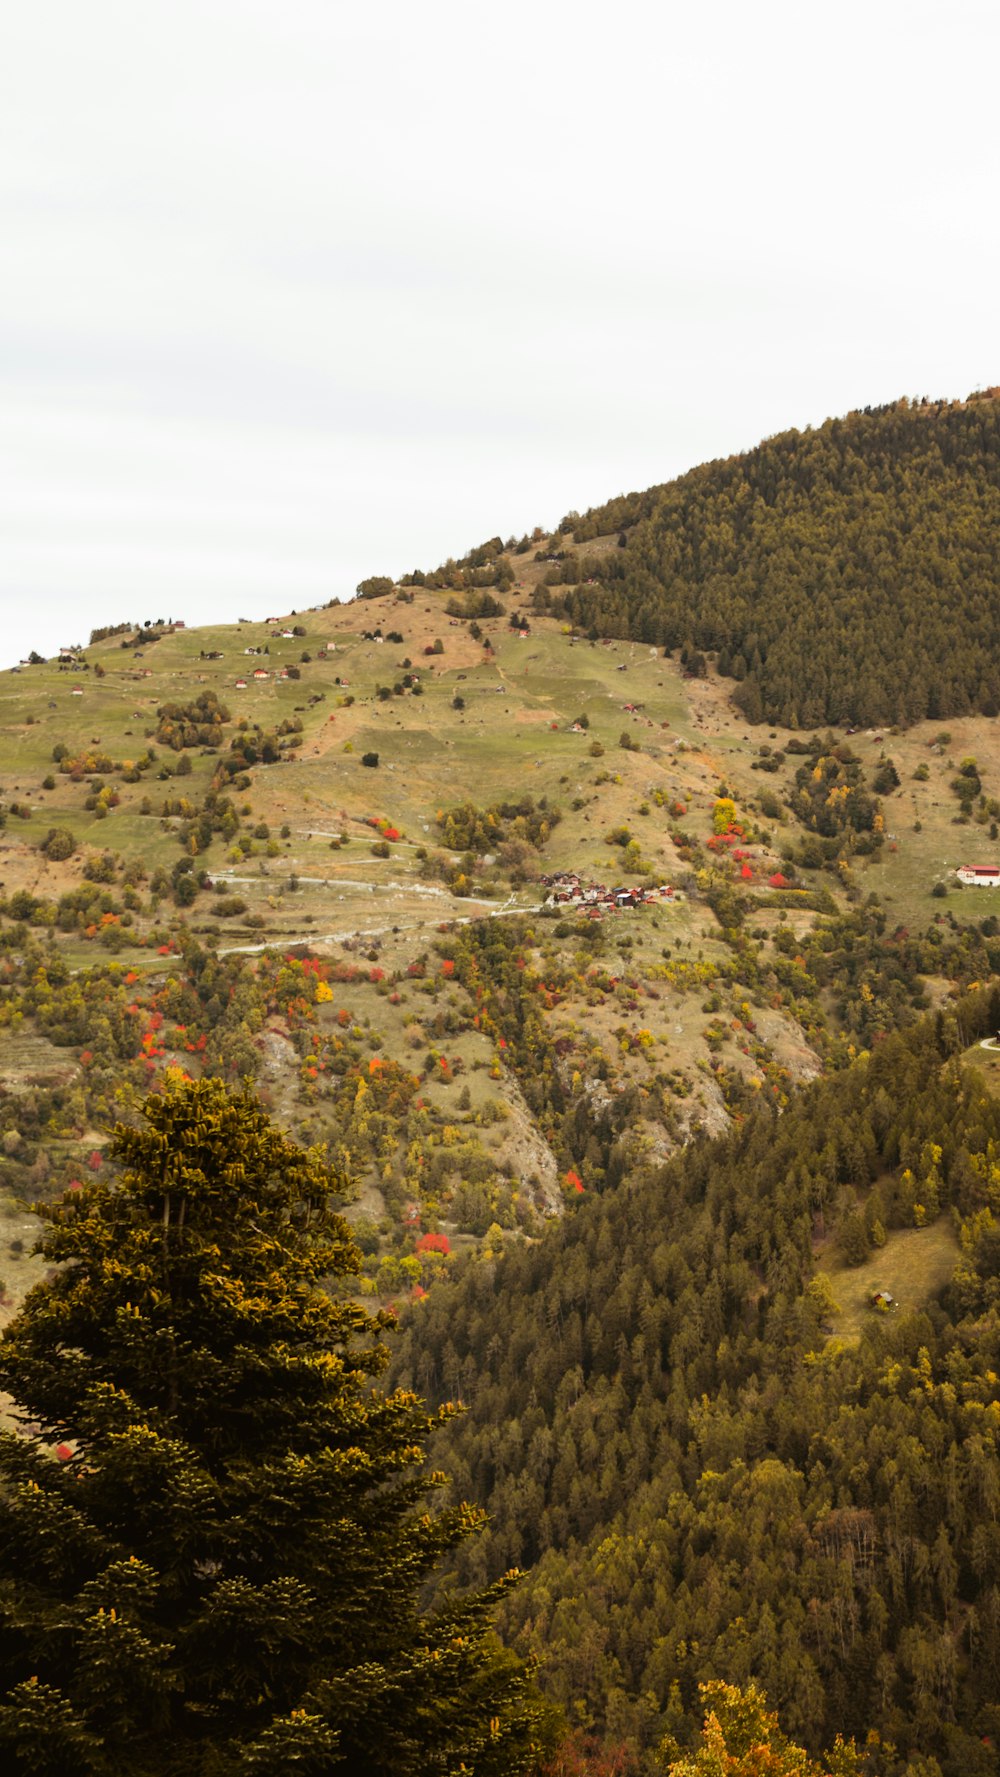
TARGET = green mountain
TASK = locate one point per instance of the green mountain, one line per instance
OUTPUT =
(846, 575)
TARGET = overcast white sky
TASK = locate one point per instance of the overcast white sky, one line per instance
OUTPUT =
(295, 292)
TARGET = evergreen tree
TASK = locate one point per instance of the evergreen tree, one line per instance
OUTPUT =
(224, 1575)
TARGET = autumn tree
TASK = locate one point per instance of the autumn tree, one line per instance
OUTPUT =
(224, 1573)
(742, 1738)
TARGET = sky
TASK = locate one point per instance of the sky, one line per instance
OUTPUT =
(295, 293)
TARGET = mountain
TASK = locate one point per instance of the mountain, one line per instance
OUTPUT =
(647, 1038)
(846, 575)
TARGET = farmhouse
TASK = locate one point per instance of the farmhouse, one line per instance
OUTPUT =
(979, 875)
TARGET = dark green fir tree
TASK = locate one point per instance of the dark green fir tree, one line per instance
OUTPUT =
(225, 1574)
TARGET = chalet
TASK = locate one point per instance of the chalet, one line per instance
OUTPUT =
(882, 1299)
(288, 635)
(77, 691)
(979, 875)
(241, 684)
(261, 672)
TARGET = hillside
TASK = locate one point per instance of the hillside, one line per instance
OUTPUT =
(846, 575)
(704, 1472)
(632, 1026)
(272, 879)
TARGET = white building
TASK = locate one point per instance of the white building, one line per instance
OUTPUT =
(979, 875)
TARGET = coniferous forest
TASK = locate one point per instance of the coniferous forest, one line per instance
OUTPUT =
(847, 574)
(700, 1479)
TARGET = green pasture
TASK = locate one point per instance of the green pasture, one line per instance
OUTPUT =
(913, 1265)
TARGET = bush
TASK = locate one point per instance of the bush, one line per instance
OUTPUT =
(58, 844)
(369, 759)
(101, 867)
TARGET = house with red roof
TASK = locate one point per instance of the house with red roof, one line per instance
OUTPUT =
(979, 875)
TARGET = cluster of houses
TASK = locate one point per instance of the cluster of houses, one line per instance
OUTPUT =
(261, 675)
(567, 889)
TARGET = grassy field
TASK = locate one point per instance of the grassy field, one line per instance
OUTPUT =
(986, 1063)
(913, 1265)
(513, 733)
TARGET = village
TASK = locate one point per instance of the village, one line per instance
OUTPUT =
(566, 889)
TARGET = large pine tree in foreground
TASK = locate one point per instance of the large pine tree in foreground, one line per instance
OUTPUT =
(225, 1577)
